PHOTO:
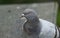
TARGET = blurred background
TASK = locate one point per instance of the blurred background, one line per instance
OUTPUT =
(9, 2)
(10, 11)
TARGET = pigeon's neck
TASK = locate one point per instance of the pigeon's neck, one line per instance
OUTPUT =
(34, 20)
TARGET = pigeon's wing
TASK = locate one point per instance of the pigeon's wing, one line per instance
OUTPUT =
(47, 30)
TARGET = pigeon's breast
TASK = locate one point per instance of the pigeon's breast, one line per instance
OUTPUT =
(32, 28)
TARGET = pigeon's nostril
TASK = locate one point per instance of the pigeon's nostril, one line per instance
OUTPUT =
(23, 14)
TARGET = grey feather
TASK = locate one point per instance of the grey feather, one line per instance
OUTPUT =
(37, 28)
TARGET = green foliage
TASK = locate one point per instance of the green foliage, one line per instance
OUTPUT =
(58, 18)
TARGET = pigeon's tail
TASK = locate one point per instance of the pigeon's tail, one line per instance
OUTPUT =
(55, 32)
(59, 33)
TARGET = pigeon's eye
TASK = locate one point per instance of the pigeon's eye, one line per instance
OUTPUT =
(25, 13)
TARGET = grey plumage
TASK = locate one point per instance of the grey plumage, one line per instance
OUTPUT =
(35, 27)
(32, 25)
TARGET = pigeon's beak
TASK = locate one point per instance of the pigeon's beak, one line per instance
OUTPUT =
(22, 16)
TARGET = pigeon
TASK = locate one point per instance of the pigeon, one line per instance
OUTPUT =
(35, 27)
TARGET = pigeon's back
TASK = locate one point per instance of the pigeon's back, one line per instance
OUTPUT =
(48, 29)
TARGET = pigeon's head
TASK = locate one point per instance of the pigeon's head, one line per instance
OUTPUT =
(30, 15)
